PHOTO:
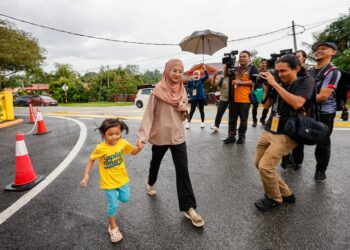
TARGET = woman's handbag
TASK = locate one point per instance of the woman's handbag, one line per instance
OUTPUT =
(305, 130)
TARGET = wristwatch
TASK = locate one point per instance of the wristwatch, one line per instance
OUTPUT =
(239, 82)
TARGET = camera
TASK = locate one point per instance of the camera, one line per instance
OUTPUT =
(229, 59)
(274, 57)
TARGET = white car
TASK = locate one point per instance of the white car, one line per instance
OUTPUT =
(142, 96)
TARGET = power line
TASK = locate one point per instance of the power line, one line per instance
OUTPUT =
(88, 36)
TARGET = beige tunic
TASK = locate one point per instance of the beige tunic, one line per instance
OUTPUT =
(161, 124)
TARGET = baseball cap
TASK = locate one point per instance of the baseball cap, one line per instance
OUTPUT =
(328, 44)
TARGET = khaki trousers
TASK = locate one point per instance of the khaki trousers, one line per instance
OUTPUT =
(269, 150)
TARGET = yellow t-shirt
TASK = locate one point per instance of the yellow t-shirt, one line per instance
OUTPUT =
(242, 92)
(111, 163)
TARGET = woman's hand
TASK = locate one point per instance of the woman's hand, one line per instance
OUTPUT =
(84, 181)
(182, 107)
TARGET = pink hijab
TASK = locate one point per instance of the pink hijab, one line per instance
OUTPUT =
(167, 90)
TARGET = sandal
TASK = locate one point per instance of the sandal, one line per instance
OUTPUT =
(150, 189)
(115, 234)
(195, 218)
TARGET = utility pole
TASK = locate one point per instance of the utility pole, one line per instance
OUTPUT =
(294, 37)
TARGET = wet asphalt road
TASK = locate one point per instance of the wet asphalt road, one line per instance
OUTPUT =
(225, 182)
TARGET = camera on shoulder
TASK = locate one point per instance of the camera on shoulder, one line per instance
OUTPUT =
(229, 58)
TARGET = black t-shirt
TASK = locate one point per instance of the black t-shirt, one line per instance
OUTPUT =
(303, 86)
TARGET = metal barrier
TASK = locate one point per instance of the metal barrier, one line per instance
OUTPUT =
(6, 106)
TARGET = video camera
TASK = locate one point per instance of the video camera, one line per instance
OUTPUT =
(274, 57)
(229, 59)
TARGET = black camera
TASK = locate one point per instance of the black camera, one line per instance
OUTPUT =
(274, 57)
(229, 58)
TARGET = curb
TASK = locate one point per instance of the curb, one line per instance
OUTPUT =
(11, 123)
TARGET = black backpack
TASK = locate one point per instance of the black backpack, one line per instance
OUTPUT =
(341, 92)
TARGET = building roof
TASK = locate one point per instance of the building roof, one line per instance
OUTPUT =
(211, 67)
(37, 86)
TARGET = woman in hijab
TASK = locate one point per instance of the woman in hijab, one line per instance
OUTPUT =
(162, 126)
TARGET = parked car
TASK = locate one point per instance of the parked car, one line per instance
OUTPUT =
(22, 100)
(142, 97)
(42, 100)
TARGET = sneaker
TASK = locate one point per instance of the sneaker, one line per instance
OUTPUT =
(297, 166)
(286, 163)
(195, 218)
(254, 124)
(150, 189)
(202, 125)
(214, 128)
(266, 204)
(241, 140)
(115, 234)
(286, 199)
(320, 176)
(262, 121)
(289, 199)
(187, 126)
(230, 139)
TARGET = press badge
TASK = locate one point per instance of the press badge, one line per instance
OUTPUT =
(274, 124)
(194, 92)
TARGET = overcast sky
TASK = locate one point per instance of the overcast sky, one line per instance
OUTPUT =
(162, 21)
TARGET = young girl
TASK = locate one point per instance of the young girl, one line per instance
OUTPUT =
(113, 176)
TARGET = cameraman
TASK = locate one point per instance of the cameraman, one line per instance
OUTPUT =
(244, 81)
(292, 93)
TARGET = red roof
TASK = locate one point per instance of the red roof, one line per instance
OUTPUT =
(211, 67)
(37, 86)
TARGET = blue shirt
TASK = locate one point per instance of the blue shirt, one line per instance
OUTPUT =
(198, 85)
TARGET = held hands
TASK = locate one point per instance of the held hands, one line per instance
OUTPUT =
(140, 144)
(85, 181)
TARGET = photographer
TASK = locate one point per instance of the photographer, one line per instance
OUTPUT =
(244, 80)
(292, 93)
(223, 103)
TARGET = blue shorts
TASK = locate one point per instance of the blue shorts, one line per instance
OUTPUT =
(113, 196)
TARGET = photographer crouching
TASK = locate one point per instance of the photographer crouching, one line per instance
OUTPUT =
(289, 93)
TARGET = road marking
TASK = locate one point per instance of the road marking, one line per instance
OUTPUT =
(7, 213)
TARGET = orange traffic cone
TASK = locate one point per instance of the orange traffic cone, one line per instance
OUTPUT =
(25, 175)
(32, 117)
(41, 128)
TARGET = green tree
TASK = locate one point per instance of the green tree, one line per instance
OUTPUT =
(65, 75)
(19, 51)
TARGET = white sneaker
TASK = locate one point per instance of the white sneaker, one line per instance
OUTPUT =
(202, 125)
(187, 126)
(213, 127)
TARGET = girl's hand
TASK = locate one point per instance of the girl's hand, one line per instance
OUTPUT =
(140, 144)
(85, 181)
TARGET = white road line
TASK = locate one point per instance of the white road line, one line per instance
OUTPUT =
(7, 213)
